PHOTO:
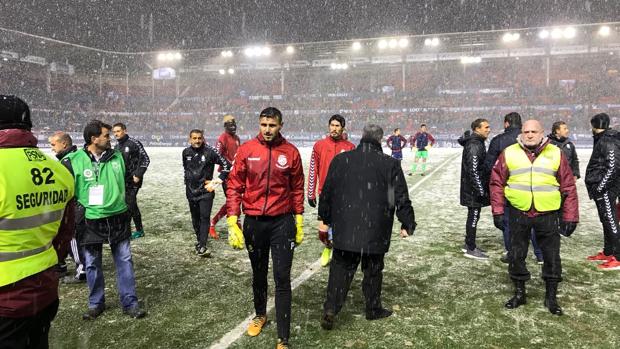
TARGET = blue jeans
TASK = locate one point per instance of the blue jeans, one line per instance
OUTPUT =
(125, 281)
(537, 250)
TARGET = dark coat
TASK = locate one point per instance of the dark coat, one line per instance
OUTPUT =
(474, 176)
(568, 148)
(198, 166)
(499, 143)
(136, 160)
(363, 189)
(603, 171)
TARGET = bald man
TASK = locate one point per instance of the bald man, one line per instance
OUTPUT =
(533, 181)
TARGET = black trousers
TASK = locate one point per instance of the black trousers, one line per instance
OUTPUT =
(606, 206)
(31, 332)
(341, 271)
(546, 228)
(473, 215)
(277, 234)
(201, 218)
(131, 194)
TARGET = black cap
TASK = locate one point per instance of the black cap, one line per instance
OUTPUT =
(14, 113)
(600, 121)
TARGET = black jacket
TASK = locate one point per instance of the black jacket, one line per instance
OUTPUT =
(568, 148)
(136, 159)
(499, 143)
(198, 164)
(474, 176)
(362, 190)
(64, 153)
(602, 173)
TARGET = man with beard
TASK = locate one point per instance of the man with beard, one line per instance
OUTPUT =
(603, 183)
(322, 154)
(474, 184)
(227, 145)
(199, 160)
(533, 180)
(136, 162)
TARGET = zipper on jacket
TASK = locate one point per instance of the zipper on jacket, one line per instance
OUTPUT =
(268, 178)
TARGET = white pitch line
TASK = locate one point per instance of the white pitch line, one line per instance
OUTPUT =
(447, 161)
(229, 338)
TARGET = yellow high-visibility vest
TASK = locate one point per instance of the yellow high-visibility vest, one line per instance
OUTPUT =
(34, 190)
(533, 182)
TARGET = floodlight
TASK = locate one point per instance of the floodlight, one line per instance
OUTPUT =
(227, 54)
(290, 50)
(231, 71)
(543, 34)
(265, 51)
(393, 43)
(569, 32)
(604, 31)
(383, 44)
(403, 42)
(356, 46)
(222, 71)
(557, 33)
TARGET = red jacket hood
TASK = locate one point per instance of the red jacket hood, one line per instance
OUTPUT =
(15, 138)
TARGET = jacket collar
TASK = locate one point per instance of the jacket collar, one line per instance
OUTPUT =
(123, 139)
(105, 156)
(367, 144)
(556, 138)
(276, 141)
(17, 138)
(538, 149)
(63, 153)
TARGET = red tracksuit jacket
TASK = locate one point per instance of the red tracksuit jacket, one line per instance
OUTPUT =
(267, 179)
(322, 154)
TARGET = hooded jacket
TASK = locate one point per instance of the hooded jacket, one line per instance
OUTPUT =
(474, 176)
(363, 189)
(603, 171)
(568, 148)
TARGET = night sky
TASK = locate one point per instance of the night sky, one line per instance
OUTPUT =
(124, 25)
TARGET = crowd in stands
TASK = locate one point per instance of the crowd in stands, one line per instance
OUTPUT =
(446, 95)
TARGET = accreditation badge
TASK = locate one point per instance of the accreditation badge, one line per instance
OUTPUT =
(95, 195)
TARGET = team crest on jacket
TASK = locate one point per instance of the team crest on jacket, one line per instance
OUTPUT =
(88, 173)
(282, 161)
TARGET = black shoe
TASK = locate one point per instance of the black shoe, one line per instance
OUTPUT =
(93, 313)
(378, 314)
(519, 298)
(71, 280)
(551, 301)
(203, 251)
(135, 312)
(505, 258)
(327, 321)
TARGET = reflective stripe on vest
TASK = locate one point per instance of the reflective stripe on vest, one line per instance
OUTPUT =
(533, 182)
(35, 191)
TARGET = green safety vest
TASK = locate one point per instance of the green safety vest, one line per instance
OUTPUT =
(533, 182)
(109, 174)
(34, 190)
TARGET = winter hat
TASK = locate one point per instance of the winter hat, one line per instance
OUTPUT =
(600, 121)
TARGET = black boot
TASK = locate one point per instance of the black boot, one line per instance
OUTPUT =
(551, 301)
(519, 298)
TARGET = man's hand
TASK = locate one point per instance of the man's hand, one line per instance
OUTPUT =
(235, 235)
(312, 202)
(136, 179)
(567, 228)
(403, 233)
(299, 224)
(428, 147)
(212, 184)
(324, 237)
(498, 222)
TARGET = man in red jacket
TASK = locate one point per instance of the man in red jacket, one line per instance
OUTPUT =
(537, 182)
(322, 154)
(268, 181)
(227, 145)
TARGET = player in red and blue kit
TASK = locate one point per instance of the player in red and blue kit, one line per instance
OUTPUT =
(422, 141)
(396, 143)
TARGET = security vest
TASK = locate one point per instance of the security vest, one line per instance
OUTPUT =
(34, 190)
(533, 182)
(108, 176)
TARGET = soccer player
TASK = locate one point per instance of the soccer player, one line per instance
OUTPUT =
(268, 182)
(227, 145)
(199, 161)
(422, 141)
(136, 162)
(322, 154)
(396, 143)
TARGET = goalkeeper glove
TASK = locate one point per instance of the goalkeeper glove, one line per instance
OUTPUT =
(235, 235)
(299, 224)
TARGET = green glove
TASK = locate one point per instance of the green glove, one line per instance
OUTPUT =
(299, 223)
(235, 235)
